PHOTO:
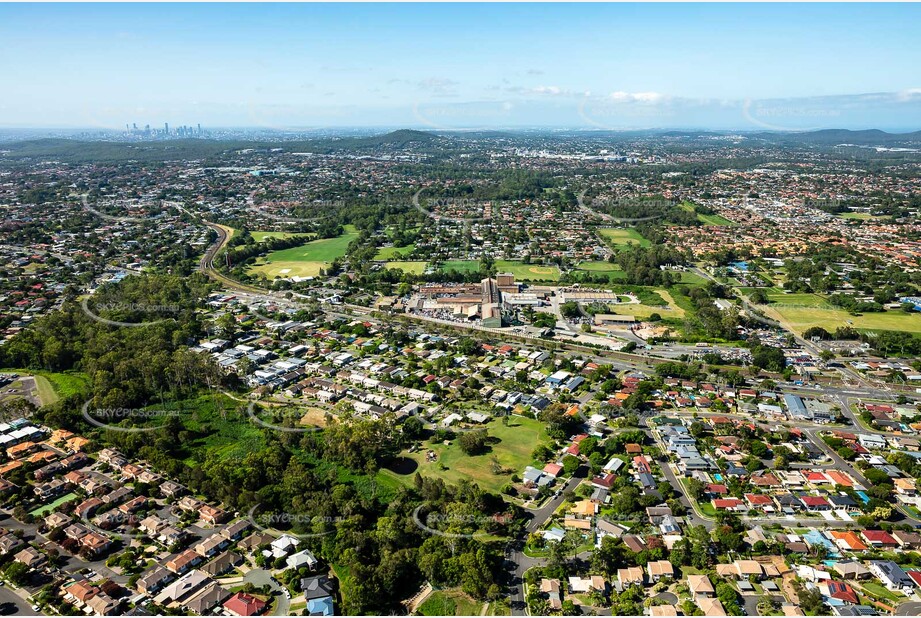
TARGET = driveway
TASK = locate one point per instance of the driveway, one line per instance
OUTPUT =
(261, 577)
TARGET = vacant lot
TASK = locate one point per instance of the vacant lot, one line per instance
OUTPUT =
(512, 450)
(623, 236)
(449, 603)
(307, 259)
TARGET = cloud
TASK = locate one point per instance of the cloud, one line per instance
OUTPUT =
(541, 91)
(638, 97)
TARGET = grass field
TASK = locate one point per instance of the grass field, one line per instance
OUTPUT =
(527, 272)
(513, 452)
(306, 260)
(777, 296)
(44, 510)
(449, 603)
(643, 311)
(601, 267)
(623, 236)
(802, 318)
(260, 236)
(689, 278)
(415, 268)
(804, 310)
(461, 266)
(714, 220)
(522, 271)
(387, 253)
(861, 216)
(707, 219)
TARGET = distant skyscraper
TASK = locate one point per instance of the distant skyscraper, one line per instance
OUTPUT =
(166, 128)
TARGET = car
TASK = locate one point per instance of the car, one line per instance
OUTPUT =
(35, 608)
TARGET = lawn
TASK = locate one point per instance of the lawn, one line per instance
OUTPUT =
(414, 268)
(305, 260)
(706, 219)
(690, 278)
(802, 299)
(387, 253)
(528, 272)
(804, 310)
(861, 216)
(881, 592)
(713, 220)
(623, 236)
(44, 510)
(513, 452)
(260, 236)
(461, 266)
(449, 603)
(802, 318)
(601, 267)
(522, 271)
(644, 310)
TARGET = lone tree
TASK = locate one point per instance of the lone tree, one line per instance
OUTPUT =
(474, 442)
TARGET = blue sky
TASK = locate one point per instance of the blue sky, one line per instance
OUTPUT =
(745, 66)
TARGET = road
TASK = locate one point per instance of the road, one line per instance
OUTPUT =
(16, 598)
(517, 561)
(261, 577)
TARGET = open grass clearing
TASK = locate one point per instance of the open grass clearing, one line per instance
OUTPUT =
(260, 236)
(44, 510)
(516, 442)
(389, 253)
(620, 237)
(528, 272)
(451, 602)
(461, 266)
(413, 268)
(802, 318)
(305, 260)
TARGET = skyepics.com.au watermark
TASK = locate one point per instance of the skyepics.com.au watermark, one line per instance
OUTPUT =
(143, 309)
(787, 116)
(460, 525)
(109, 524)
(278, 416)
(297, 525)
(127, 420)
(621, 110)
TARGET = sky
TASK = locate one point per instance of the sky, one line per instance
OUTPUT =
(462, 66)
